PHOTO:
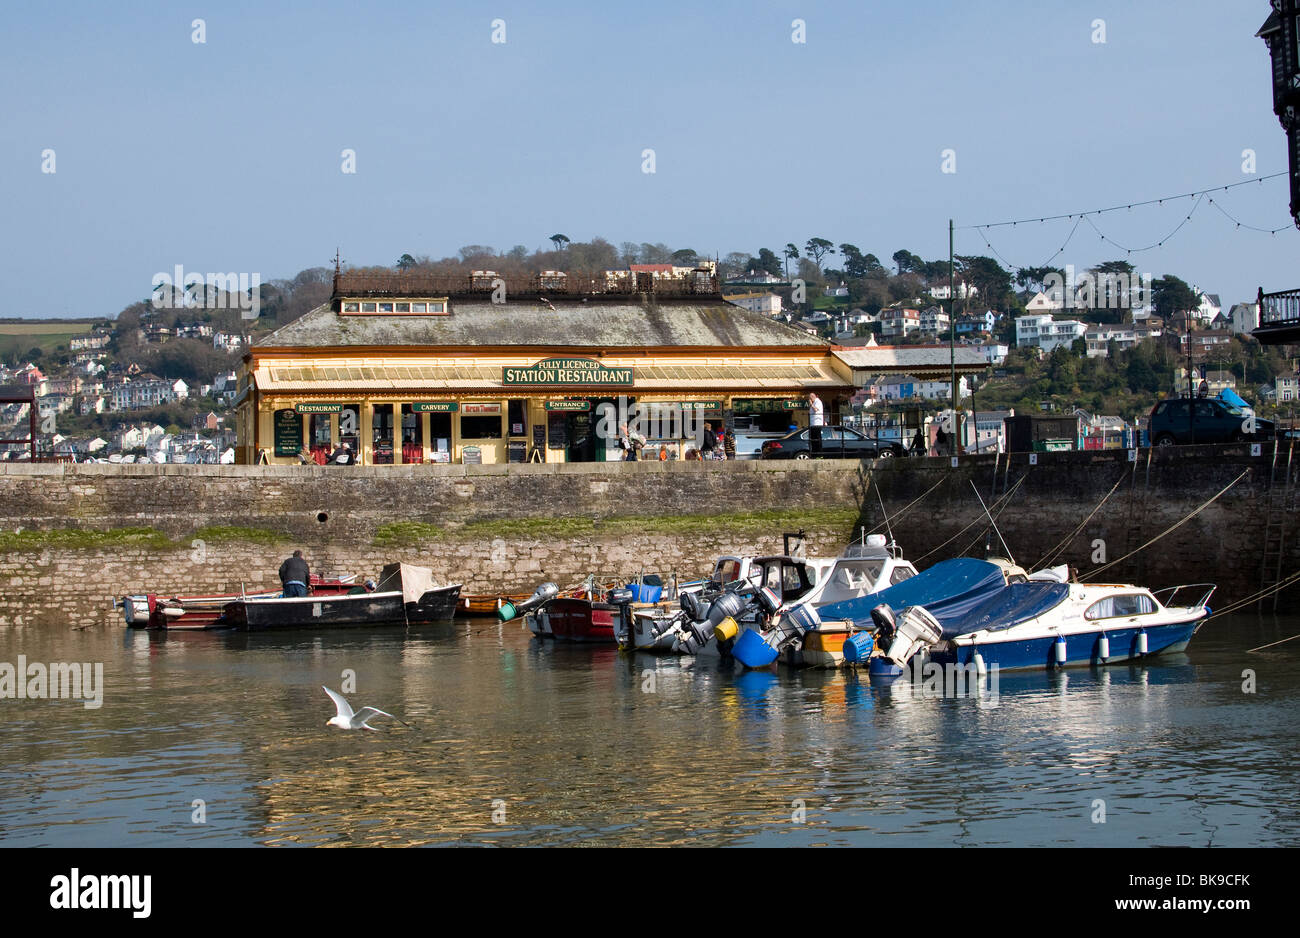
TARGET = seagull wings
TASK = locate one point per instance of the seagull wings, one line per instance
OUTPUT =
(365, 714)
(344, 708)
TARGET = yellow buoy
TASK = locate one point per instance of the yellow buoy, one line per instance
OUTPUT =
(726, 629)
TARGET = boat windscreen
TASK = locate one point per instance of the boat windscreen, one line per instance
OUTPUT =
(850, 579)
(1016, 603)
(950, 588)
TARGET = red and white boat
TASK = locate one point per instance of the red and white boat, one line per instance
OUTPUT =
(575, 619)
(161, 611)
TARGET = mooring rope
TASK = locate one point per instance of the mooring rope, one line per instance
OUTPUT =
(1171, 529)
(1051, 554)
(1001, 501)
(913, 503)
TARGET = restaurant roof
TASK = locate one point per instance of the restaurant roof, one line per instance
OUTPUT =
(566, 321)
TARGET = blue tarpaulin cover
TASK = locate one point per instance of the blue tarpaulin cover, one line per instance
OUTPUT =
(1011, 605)
(949, 589)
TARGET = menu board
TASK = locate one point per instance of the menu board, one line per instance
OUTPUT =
(517, 451)
(539, 436)
(556, 431)
(471, 455)
(288, 433)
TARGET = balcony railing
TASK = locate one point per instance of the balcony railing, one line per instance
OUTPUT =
(1279, 309)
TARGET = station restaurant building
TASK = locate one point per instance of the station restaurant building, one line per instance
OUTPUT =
(419, 369)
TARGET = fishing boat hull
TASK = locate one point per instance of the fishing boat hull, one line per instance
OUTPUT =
(196, 613)
(486, 604)
(579, 620)
(821, 648)
(348, 611)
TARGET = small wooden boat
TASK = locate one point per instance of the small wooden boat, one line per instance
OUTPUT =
(160, 611)
(405, 594)
(486, 604)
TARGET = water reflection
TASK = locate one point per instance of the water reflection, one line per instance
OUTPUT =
(568, 743)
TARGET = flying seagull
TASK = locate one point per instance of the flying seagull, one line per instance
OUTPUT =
(347, 720)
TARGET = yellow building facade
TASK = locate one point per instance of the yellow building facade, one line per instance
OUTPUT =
(404, 370)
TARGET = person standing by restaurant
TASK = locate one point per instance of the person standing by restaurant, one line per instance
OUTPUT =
(295, 575)
(815, 412)
(729, 443)
(708, 442)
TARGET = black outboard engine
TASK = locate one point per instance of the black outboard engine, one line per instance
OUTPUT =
(541, 596)
(621, 597)
(708, 616)
(886, 625)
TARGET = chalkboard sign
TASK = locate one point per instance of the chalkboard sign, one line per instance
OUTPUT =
(471, 455)
(288, 433)
(517, 451)
(539, 436)
(557, 431)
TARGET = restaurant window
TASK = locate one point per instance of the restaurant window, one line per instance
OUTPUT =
(385, 307)
(418, 307)
(350, 427)
(515, 417)
(320, 437)
(412, 436)
(403, 307)
(381, 425)
(351, 307)
(480, 428)
(367, 307)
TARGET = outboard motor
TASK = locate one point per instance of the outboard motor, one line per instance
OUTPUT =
(768, 600)
(886, 625)
(917, 629)
(622, 596)
(694, 607)
(541, 596)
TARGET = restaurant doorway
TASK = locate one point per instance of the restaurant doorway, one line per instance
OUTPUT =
(590, 438)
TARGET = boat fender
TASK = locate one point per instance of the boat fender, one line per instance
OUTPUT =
(1103, 647)
(1059, 648)
(1142, 642)
(726, 630)
(981, 668)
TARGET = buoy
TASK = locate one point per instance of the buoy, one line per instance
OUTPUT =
(1103, 647)
(726, 629)
(1059, 646)
(1142, 642)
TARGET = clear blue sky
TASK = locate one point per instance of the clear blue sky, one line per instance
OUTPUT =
(225, 156)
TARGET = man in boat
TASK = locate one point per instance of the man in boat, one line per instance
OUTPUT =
(295, 575)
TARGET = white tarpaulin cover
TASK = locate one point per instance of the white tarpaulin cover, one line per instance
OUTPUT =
(413, 581)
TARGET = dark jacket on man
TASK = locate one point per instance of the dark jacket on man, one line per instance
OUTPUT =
(295, 568)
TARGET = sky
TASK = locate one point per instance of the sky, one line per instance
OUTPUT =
(228, 155)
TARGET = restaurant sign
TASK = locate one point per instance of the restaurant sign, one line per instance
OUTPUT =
(580, 371)
(490, 410)
(307, 407)
(434, 407)
(580, 406)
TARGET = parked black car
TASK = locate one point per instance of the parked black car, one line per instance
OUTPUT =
(830, 443)
(1212, 421)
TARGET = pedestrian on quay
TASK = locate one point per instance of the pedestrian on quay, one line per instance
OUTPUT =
(729, 443)
(295, 575)
(708, 443)
(815, 410)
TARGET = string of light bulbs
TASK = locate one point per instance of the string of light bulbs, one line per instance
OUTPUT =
(1201, 196)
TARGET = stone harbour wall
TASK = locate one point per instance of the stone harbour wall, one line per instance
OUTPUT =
(72, 538)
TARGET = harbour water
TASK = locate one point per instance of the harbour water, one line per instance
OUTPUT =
(220, 739)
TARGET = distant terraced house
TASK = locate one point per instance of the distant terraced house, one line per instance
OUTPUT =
(147, 391)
